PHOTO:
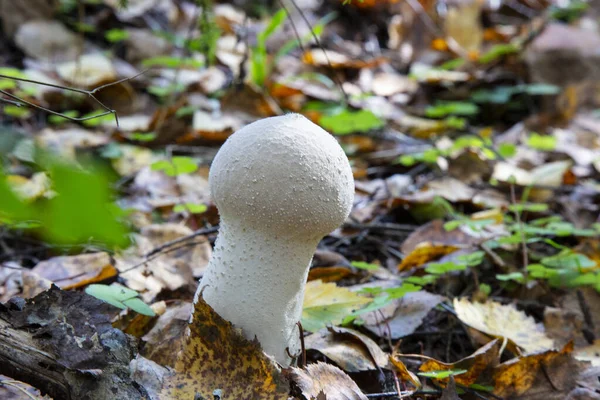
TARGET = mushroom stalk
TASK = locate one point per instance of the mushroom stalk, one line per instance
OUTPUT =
(280, 185)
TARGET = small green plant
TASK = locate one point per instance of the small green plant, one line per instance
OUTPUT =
(260, 68)
(177, 165)
(120, 297)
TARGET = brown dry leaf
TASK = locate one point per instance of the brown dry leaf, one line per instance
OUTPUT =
(562, 325)
(403, 316)
(329, 274)
(484, 359)
(500, 321)
(170, 270)
(137, 325)
(327, 379)
(424, 253)
(70, 272)
(349, 349)
(434, 232)
(217, 356)
(517, 376)
(164, 340)
(403, 372)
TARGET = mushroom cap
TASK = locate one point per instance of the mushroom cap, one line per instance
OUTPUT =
(283, 175)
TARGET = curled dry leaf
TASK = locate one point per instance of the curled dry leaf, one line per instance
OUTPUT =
(477, 364)
(349, 349)
(500, 320)
(424, 253)
(71, 272)
(403, 372)
(215, 356)
(327, 379)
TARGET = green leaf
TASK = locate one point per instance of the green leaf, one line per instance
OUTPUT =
(443, 109)
(81, 211)
(444, 268)
(541, 142)
(568, 259)
(485, 288)
(259, 69)
(507, 150)
(58, 119)
(442, 374)
(498, 51)
(364, 265)
(347, 121)
(178, 165)
(528, 207)
(191, 208)
(142, 136)
(172, 62)
(421, 280)
(513, 276)
(120, 297)
(98, 119)
(116, 35)
(19, 112)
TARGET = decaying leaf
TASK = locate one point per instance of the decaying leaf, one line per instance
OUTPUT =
(216, 356)
(517, 376)
(69, 272)
(349, 349)
(403, 316)
(327, 379)
(500, 320)
(326, 303)
(477, 364)
(424, 253)
(404, 373)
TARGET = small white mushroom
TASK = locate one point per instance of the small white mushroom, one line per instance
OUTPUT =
(280, 185)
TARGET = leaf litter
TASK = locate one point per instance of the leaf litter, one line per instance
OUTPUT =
(469, 266)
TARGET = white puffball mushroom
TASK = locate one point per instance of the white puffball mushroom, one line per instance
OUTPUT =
(280, 184)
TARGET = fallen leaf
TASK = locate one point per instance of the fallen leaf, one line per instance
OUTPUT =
(216, 356)
(504, 321)
(424, 253)
(349, 349)
(326, 303)
(87, 71)
(327, 379)
(517, 376)
(69, 272)
(164, 341)
(477, 364)
(405, 374)
(403, 316)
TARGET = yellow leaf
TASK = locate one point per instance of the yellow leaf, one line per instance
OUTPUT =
(504, 321)
(326, 303)
(216, 356)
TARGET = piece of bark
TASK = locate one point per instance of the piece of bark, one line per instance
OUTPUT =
(63, 344)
